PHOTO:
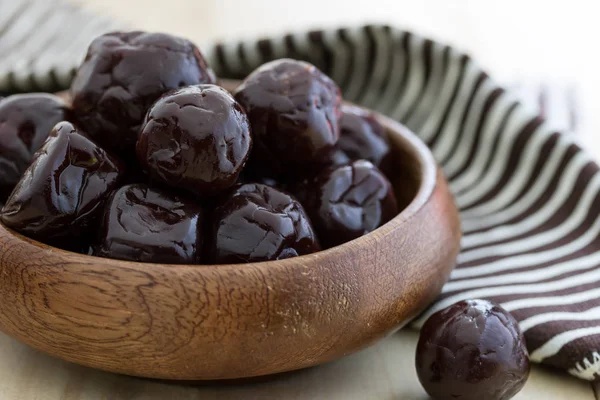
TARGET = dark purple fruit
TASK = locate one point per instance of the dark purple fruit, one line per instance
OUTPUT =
(248, 177)
(25, 122)
(472, 350)
(196, 139)
(150, 225)
(63, 191)
(347, 202)
(123, 74)
(338, 158)
(362, 137)
(258, 223)
(294, 110)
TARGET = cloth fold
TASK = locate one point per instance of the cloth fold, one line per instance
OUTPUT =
(43, 42)
(529, 196)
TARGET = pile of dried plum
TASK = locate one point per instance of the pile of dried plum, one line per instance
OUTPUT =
(152, 161)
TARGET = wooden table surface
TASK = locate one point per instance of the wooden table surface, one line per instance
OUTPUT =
(385, 371)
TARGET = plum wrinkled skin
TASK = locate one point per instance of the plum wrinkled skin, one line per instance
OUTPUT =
(248, 177)
(63, 191)
(472, 350)
(150, 225)
(337, 158)
(123, 74)
(294, 110)
(362, 137)
(347, 202)
(195, 138)
(259, 223)
(25, 122)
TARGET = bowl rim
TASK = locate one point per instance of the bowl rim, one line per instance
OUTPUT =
(398, 133)
(348, 296)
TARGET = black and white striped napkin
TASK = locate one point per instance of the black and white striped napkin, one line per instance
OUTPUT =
(529, 196)
(43, 41)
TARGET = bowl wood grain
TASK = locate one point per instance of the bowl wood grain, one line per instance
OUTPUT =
(231, 321)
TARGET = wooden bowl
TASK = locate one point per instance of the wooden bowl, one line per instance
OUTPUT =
(195, 322)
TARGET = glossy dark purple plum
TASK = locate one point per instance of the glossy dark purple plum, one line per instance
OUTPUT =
(347, 202)
(472, 350)
(265, 180)
(150, 225)
(63, 191)
(248, 177)
(337, 158)
(259, 223)
(25, 122)
(294, 110)
(196, 138)
(123, 74)
(362, 137)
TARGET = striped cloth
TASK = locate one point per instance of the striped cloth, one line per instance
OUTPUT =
(43, 41)
(529, 196)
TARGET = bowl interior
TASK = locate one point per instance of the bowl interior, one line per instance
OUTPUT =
(405, 172)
